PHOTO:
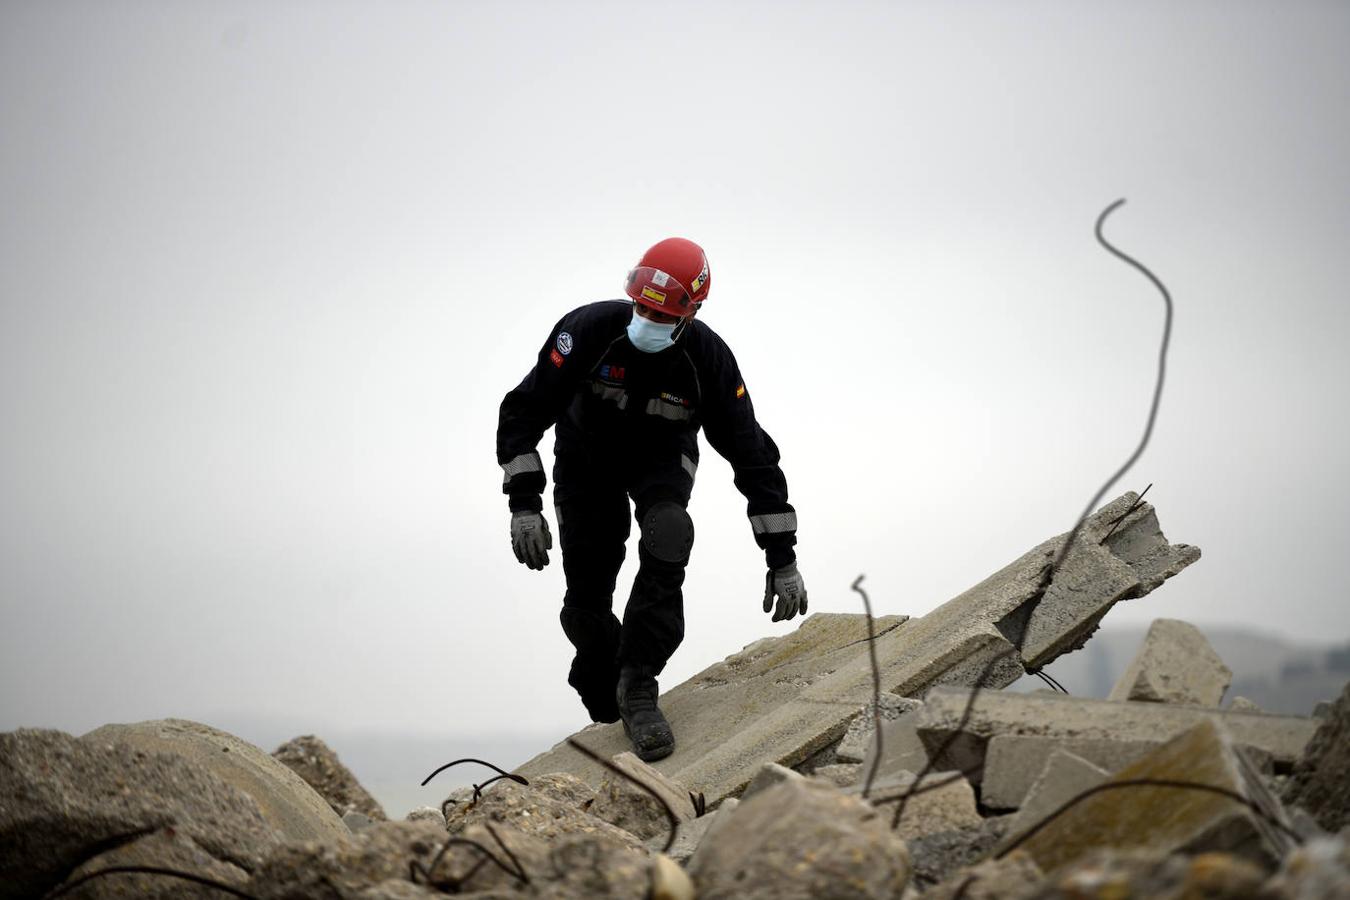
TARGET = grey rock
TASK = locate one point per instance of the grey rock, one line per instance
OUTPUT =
(1061, 716)
(316, 763)
(550, 807)
(1175, 664)
(704, 829)
(861, 734)
(1322, 710)
(1015, 877)
(1319, 870)
(166, 848)
(356, 821)
(623, 803)
(1320, 782)
(786, 699)
(902, 750)
(426, 814)
(1242, 704)
(1063, 777)
(1136, 872)
(802, 839)
(942, 801)
(66, 801)
(840, 775)
(768, 775)
(935, 856)
(291, 805)
(347, 865)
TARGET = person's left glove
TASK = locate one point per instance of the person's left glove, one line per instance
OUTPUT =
(530, 538)
(786, 584)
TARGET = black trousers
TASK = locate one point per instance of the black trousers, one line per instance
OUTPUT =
(594, 522)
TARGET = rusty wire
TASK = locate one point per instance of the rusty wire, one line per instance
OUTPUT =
(670, 813)
(1126, 514)
(515, 870)
(516, 778)
(202, 880)
(876, 685)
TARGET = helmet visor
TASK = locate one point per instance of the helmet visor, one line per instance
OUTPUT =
(659, 290)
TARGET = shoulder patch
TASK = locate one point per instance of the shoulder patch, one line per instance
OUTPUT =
(565, 343)
(740, 392)
(556, 358)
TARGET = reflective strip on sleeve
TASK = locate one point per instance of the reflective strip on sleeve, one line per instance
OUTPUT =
(525, 462)
(607, 392)
(688, 465)
(774, 523)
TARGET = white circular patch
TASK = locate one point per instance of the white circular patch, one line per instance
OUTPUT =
(564, 343)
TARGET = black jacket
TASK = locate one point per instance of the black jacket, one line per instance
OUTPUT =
(635, 416)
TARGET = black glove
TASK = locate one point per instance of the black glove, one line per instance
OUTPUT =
(530, 538)
(787, 585)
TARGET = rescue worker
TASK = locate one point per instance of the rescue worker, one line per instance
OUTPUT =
(628, 384)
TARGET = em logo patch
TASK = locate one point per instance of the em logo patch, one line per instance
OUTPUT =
(564, 343)
(654, 295)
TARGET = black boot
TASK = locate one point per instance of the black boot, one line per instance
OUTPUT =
(642, 720)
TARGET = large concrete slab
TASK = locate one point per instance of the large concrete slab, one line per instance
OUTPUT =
(1175, 664)
(1063, 777)
(1000, 713)
(783, 699)
(1170, 818)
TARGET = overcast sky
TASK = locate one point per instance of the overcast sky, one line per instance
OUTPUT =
(267, 269)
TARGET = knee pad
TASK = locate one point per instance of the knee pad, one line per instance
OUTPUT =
(668, 532)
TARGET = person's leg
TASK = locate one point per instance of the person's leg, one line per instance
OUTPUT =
(593, 525)
(653, 621)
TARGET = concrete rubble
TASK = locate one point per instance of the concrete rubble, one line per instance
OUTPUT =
(1175, 665)
(776, 746)
(787, 699)
(316, 763)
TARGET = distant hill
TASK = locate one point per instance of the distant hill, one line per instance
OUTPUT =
(1277, 674)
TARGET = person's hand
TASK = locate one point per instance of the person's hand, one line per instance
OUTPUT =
(530, 538)
(786, 584)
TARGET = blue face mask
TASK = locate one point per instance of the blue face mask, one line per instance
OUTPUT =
(649, 336)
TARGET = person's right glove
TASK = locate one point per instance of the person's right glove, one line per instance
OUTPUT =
(786, 584)
(530, 538)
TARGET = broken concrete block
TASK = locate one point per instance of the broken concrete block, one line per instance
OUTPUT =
(841, 775)
(936, 855)
(289, 803)
(861, 734)
(768, 775)
(943, 801)
(1242, 704)
(620, 801)
(1061, 716)
(902, 751)
(1321, 778)
(1063, 777)
(1013, 762)
(786, 699)
(701, 831)
(315, 762)
(802, 839)
(550, 807)
(1170, 818)
(1175, 664)
(1015, 877)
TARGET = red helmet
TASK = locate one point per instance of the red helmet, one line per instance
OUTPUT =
(672, 277)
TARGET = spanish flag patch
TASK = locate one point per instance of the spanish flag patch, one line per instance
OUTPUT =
(740, 392)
